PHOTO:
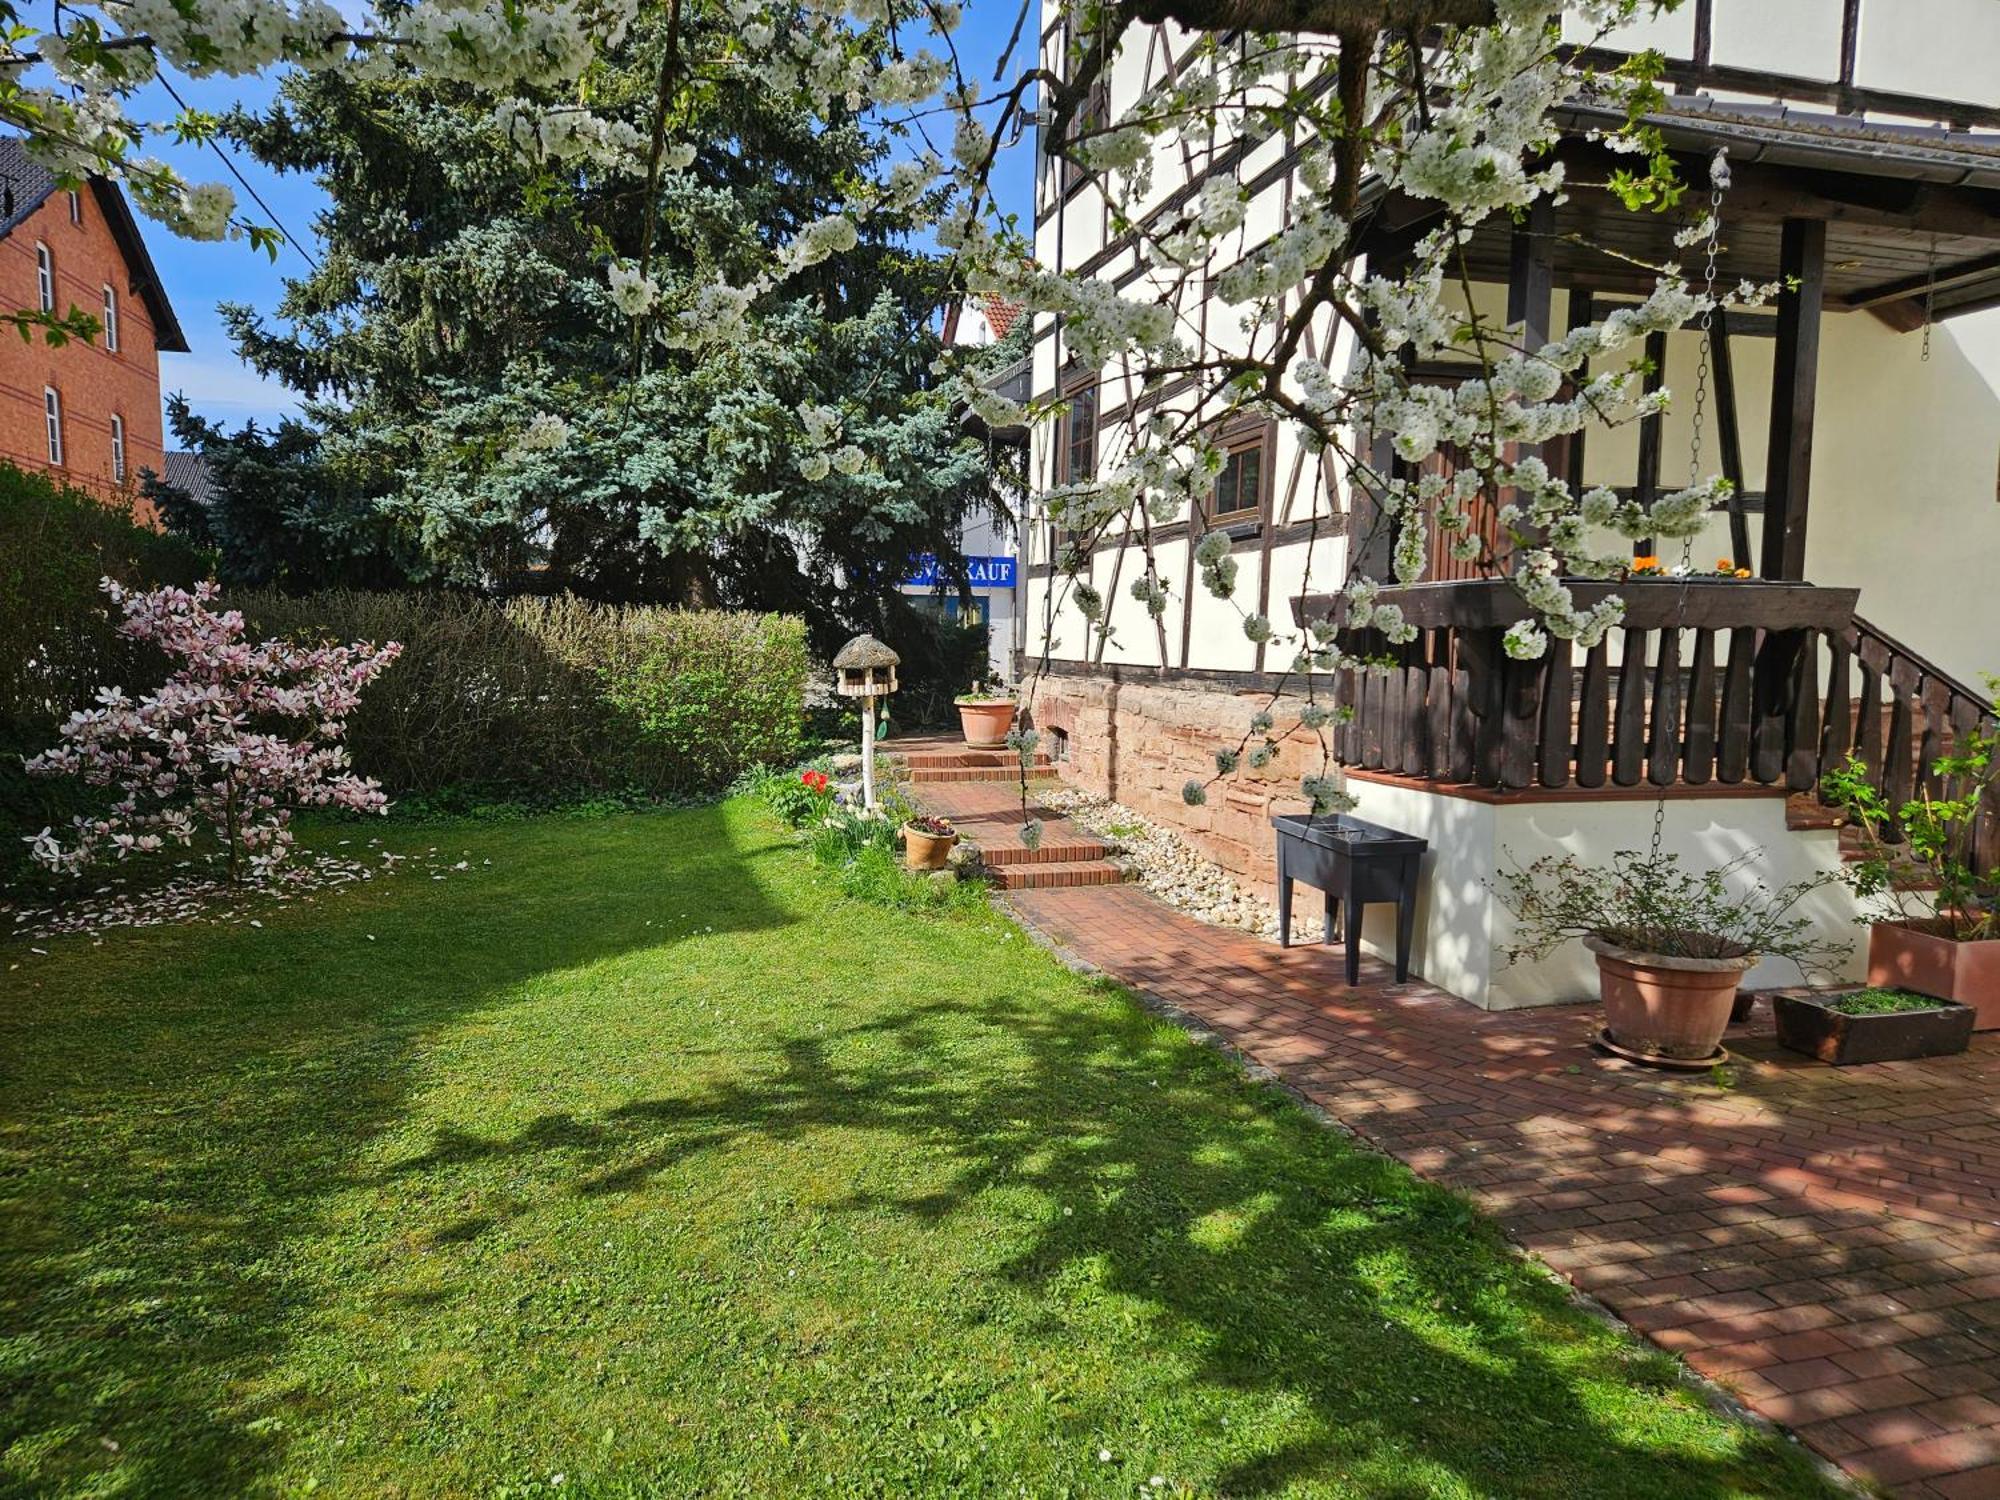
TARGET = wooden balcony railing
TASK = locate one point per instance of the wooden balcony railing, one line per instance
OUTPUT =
(1898, 714)
(1718, 681)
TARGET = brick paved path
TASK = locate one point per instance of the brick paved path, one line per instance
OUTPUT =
(1825, 1242)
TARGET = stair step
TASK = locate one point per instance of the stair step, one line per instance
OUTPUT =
(1804, 811)
(973, 761)
(1010, 772)
(966, 755)
(1042, 877)
(1072, 852)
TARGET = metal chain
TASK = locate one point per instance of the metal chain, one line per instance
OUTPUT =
(1718, 177)
(1930, 294)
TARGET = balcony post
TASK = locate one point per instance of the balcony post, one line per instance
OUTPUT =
(1794, 382)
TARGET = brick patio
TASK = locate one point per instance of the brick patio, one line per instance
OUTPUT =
(1825, 1243)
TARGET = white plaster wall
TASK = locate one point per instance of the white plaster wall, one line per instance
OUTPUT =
(1463, 928)
(1906, 459)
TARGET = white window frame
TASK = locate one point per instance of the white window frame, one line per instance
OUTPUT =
(52, 417)
(75, 207)
(45, 277)
(110, 319)
(117, 449)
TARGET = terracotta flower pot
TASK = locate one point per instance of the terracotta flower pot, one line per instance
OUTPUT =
(986, 724)
(926, 851)
(1909, 958)
(1666, 1007)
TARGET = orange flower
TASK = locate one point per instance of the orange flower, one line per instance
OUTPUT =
(1725, 565)
(1645, 565)
(1742, 572)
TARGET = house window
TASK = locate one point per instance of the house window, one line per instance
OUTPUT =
(1239, 489)
(52, 411)
(1090, 118)
(1079, 436)
(117, 449)
(45, 278)
(110, 320)
(75, 207)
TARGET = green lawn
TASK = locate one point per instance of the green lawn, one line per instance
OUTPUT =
(640, 1160)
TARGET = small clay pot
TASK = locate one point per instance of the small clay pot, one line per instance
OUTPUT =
(926, 851)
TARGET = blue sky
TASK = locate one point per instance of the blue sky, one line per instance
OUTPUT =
(199, 276)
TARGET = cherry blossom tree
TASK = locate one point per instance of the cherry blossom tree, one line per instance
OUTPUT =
(238, 736)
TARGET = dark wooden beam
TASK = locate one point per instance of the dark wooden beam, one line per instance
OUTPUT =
(1794, 383)
(1582, 311)
(1729, 437)
(1945, 278)
(1647, 486)
(1531, 284)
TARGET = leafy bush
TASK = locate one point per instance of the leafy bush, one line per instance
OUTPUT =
(57, 643)
(534, 698)
(1649, 904)
(1933, 831)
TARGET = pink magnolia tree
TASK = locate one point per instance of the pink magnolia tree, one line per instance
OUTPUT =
(237, 737)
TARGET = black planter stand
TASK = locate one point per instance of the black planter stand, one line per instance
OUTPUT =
(1805, 1024)
(1353, 862)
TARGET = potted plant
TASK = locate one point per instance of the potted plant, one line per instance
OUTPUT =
(1671, 944)
(928, 842)
(986, 713)
(1936, 920)
(1871, 1025)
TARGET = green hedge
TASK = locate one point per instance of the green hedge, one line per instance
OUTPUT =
(550, 697)
(58, 644)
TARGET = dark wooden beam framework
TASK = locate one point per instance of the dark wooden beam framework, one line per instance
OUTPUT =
(1729, 437)
(1648, 483)
(1794, 381)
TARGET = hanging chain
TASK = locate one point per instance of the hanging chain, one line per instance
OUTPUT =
(1718, 179)
(1930, 295)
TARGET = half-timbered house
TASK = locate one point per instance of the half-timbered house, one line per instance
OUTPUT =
(1859, 416)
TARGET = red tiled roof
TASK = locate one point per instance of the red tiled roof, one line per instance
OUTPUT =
(1001, 313)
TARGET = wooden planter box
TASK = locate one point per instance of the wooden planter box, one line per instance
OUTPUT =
(1805, 1024)
(1908, 958)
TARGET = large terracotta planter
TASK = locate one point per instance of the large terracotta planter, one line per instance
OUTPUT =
(987, 724)
(926, 851)
(1675, 1009)
(1909, 958)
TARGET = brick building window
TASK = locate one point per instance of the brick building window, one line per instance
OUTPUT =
(52, 410)
(117, 449)
(45, 278)
(110, 320)
(75, 208)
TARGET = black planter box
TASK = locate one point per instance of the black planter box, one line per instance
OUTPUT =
(1806, 1025)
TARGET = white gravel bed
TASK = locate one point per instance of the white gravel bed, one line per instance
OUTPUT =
(1179, 875)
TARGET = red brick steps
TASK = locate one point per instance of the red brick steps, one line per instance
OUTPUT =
(1050, 875)
(987, 812)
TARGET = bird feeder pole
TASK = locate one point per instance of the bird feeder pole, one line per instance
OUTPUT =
(868, 752)
(866, 669)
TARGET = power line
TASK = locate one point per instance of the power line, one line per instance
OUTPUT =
(256, 197)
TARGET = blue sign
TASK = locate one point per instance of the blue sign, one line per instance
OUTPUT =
(980, 572)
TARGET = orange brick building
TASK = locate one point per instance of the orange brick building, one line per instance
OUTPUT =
(86, 413)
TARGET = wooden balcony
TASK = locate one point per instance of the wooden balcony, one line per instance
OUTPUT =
(1719, 682)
